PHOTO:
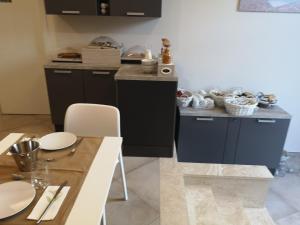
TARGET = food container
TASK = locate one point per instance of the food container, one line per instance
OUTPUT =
(184, 98)
(149, 66)
(218, 97)
(103, 57)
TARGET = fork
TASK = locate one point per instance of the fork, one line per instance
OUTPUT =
(72, 152)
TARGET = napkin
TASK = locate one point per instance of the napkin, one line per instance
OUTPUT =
(9, 140)
(44, 201)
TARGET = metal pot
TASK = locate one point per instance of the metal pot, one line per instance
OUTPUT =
(25, 154)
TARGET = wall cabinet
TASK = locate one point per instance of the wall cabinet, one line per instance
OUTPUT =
(148, 111)
(141, 8)
(231, 140)
(71, 7)
(66, 87)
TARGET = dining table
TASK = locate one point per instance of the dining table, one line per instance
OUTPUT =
(89, 172)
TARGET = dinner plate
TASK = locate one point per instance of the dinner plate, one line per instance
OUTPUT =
(57, 141)
(15, 196)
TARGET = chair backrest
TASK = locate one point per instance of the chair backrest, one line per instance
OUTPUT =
(92, 120)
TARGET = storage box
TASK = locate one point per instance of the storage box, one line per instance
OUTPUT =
(166, 69)
(99, 56)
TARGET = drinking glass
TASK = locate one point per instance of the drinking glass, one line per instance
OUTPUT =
(40, 175)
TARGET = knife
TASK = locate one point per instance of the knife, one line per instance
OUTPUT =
(51, 202)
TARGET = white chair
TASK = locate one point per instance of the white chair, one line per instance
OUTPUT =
(92, 120)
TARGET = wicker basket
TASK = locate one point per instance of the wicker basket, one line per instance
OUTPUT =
(240, 110)
(219, 100)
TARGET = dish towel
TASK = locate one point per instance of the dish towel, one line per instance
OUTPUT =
(9, 140)
(44, 201)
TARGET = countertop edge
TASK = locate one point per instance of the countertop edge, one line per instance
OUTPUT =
(272, 113)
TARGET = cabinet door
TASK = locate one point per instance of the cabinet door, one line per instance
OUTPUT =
(201, 139)
(71, 7)
(147, 114)
(99, 87)
(142, 8)
(261, 141)
(65, 87)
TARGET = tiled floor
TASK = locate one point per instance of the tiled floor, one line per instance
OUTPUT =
(142, 208)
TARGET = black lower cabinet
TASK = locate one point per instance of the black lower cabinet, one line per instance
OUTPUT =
(64, 89)
(261, 141)
(246, 141)
(203, 141)
(100, 87)
(148, 111)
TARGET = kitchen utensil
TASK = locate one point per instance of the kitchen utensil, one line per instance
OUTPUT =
(51, 202)
(15, 196)
(25, 154)
(57, 141)
(72, 152)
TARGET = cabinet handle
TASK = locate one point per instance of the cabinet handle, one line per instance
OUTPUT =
(101, 72)
(63, 71)
(135, 14)
(267, 121)
(204, 119)
(70, 12)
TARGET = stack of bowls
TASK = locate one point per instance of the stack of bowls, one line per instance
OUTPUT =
(149, 66)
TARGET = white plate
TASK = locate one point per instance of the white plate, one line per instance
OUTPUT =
(15, 196)
(57, 141)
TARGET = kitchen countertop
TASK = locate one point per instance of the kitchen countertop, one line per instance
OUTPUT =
(125, 71)
(77, 66)
(274, 112)
(135, 72)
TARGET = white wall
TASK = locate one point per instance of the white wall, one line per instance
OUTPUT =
(213, 45)
(22, 55)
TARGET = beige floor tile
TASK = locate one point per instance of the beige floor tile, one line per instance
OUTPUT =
(156, 222)
(288, 188)
(293, 219)
(145, 182)
(132, 163)
(278, 207)
(135, 211)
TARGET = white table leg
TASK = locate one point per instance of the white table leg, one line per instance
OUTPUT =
(103, 221)
(123, 176)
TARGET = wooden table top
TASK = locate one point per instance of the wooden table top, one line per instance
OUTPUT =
(73, 168)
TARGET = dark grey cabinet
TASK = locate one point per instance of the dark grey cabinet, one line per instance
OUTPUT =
(64, 88)
(99, 86)
(141, 8)
(137, 8)
(261, 141)
(231, 140)
(203, 141)
(148, 111)
(71, 7)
